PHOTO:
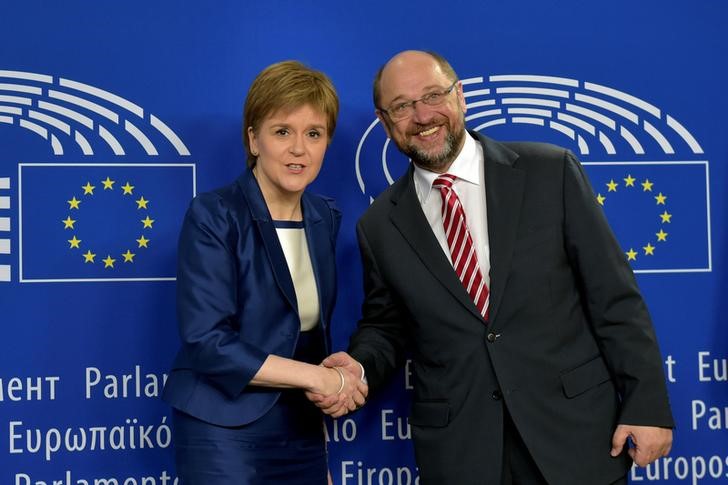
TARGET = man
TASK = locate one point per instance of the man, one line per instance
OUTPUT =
(534, 355)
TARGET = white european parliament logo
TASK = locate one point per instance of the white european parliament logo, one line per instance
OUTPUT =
(87, 124)
(648, 171)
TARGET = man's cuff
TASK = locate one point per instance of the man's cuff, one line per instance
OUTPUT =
(363, 373)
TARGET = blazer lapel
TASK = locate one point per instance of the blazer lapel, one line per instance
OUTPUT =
(271, 244)
(408, 218)
(504, 187)
(318, 239)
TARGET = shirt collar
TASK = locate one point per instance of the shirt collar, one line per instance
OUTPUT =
(464, 167)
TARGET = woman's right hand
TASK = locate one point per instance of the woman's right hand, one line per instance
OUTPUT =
(333, 381)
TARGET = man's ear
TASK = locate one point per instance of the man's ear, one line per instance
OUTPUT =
(383, 120)
(461, 97)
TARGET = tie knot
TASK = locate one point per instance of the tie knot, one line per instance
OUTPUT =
(444, 181)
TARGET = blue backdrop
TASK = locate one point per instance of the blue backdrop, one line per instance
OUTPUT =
(114, 114)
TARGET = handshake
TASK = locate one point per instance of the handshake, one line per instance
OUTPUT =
(350, 381)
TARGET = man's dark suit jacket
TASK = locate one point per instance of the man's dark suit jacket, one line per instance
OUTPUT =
(569, 348)
(235, 299)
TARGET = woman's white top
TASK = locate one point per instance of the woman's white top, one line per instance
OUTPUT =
(292, 236)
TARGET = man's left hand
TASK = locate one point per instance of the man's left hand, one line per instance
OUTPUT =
(650, 442)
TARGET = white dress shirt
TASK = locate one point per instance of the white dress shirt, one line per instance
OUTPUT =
(469, 168)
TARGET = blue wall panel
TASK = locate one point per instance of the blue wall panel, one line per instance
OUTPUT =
(150, 94)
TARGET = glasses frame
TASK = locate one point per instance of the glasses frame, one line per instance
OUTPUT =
(410, 105)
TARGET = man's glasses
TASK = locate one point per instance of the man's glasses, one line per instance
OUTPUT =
(405, 109)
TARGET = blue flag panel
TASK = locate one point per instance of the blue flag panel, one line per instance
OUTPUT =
(658, 211)
(101, 222)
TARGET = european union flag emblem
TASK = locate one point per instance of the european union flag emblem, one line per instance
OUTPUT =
(659, 212)
(101, 222)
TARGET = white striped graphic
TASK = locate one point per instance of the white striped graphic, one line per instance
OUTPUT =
(5, 226)
(597, 118)
(66, 114)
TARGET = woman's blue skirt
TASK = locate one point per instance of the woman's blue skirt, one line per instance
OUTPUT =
(285, 446)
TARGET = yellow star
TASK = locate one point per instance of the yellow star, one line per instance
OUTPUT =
(601, 199)
(661, 236)
(74, 242)
(73, 203)
(147, 222)
(127, 189)
(666, 216)
(612, 186)
(108, 183)
(142, 203)
(88, 257)
(128, 256)
(143, 242)
(631, 255)
(629, 181)
(649, 249)
(88, 188)
(660, 198)
(108, 261)
(68, 223)
(647, 185)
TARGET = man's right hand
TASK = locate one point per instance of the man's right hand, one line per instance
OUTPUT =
(339, 405)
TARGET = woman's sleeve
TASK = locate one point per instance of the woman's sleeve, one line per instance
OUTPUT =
(207, 297)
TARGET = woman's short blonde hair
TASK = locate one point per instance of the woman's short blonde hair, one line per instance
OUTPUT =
(289, 85)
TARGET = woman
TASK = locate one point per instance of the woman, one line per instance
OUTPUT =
(256, 287)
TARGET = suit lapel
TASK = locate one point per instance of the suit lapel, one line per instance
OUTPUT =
(269, 236)
(504, 187)
(408, 218)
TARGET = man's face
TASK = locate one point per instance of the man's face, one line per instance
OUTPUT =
(432, 136)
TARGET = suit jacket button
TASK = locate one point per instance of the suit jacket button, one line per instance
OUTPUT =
(491, 337)
(497, 395)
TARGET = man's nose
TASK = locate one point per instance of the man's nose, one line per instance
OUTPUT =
(422, 113)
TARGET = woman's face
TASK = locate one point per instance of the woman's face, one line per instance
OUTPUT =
(290, 145)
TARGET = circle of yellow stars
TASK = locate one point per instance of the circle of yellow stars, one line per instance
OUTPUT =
(89, 256)
(660, 198)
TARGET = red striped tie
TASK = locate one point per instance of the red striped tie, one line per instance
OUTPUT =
(462, 249)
